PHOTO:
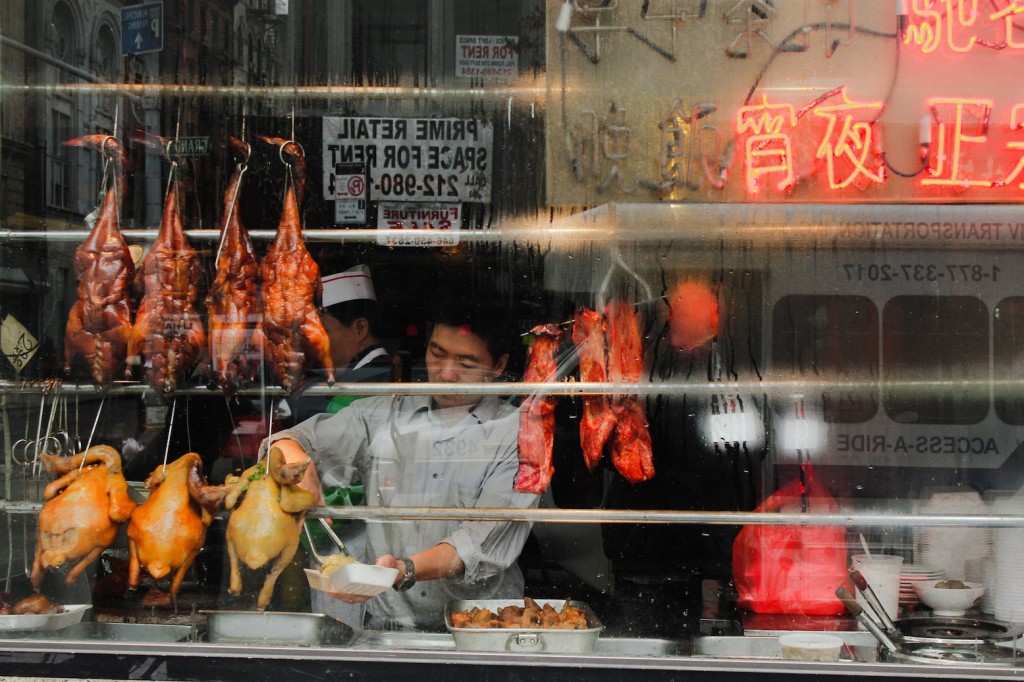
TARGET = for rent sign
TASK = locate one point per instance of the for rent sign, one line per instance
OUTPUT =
(412, 159)
(487, 56)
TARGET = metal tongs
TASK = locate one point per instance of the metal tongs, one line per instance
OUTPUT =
(857, 610)
(332, 535)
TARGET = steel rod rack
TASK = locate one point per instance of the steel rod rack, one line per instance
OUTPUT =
(576, 516)
(782, 389)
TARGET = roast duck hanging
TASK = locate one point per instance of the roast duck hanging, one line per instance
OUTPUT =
(263, 530)
(293, 335)
(168, 334)
(233, 300)
(82, 511)
(100, 322)
(167, 531)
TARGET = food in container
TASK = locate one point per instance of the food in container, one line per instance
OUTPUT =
(351, 577)
(810, 646)
(949, 597)
(68, 616)
(531, 639)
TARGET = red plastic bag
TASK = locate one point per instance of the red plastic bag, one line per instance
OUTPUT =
(792, 569)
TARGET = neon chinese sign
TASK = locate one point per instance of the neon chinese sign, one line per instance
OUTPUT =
(962, 25)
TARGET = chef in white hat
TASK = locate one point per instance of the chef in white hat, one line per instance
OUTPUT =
(351, 316)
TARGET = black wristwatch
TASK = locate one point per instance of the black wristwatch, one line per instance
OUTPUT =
(409, 577)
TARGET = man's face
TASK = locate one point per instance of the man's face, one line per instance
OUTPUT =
(458, 356)
(345, 340)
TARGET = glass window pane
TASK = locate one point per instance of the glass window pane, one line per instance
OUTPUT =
(830, 338)
(935, 355)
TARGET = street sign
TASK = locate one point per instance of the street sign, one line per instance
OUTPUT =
(190, 146)
(142, 28)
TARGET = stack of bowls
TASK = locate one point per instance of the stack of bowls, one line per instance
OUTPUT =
(911, 574)
(1006, 586)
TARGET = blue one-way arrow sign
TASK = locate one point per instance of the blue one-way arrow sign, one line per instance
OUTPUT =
(142, 28)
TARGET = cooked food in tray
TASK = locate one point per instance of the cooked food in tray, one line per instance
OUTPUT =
(529, 615)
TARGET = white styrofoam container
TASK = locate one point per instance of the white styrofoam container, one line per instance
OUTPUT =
(45, 621)
(361, 579)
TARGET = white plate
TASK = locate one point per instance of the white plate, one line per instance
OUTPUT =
(46, 621)
(361, 579)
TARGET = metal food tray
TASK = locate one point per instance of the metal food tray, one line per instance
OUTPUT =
(275, 627)
(525, 640)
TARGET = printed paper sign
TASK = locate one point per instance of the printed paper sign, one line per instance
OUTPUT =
(436, 224)
(487, 56)
(17, 343)
(411, 159)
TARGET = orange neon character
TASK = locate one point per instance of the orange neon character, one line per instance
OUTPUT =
(769, 150)
(1016, 125)
(848, 142)
(935, 20)
(948, 145)
(1008, 14)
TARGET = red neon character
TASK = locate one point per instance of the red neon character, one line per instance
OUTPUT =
(769, 146)
(933, 22)
(849, 143)
(1017, 126)
(968, 125)
(1009, 16)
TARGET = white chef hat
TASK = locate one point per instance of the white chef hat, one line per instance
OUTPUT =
(352, 285)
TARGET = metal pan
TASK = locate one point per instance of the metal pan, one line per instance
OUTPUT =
(523, 640)
(275, 627)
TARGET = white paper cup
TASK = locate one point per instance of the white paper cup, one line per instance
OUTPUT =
(882, 572)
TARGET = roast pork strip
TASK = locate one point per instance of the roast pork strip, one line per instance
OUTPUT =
(588, 333)
(632, 455)
(537, 413)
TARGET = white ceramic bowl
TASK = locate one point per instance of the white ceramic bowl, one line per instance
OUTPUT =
(948, 601)
(810, 646)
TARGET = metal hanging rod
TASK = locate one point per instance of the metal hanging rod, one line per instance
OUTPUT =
(783, 388)
(289, 93)
(314, 235)
(576, 516)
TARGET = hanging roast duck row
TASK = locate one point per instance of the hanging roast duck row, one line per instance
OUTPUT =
(165, 332)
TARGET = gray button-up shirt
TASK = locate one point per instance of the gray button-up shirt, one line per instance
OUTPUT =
(409, 454)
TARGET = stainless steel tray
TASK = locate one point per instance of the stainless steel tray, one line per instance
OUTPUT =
(275, 627)
(525, 640)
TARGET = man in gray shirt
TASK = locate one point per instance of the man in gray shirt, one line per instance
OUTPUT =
(446, 450)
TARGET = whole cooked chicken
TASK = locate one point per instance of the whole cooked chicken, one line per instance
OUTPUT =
(82, 511)
(264, 528)
(233, 299)
(598, 421)
(167, 531)
(100, 322)
(293, 335)
(168, 331)
(537, 413)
